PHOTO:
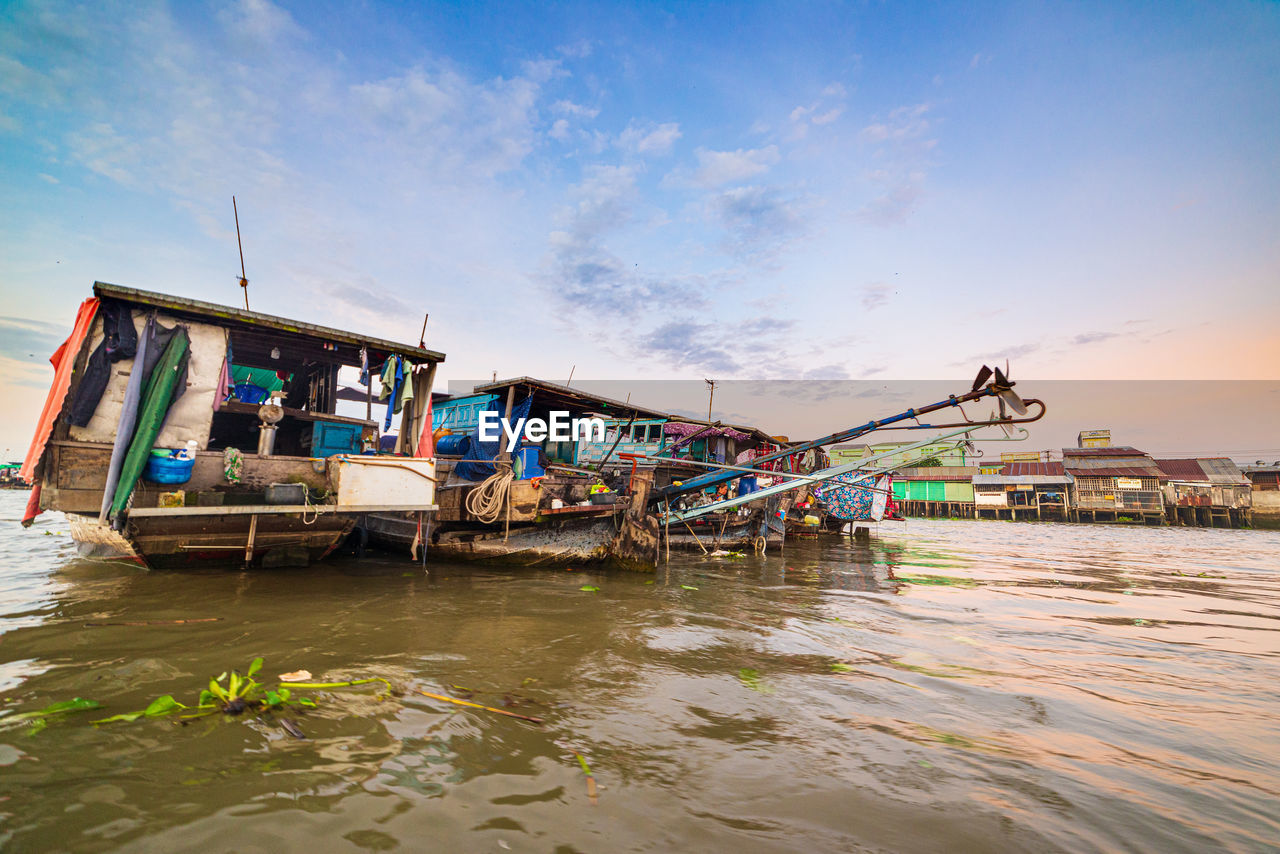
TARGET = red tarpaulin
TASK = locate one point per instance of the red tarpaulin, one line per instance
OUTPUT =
(63, 360)
(426, 446)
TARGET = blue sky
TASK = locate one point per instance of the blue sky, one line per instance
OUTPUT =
(749, 191)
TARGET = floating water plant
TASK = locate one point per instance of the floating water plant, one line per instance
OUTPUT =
(751, 678)
(39, 719)
(232, 693)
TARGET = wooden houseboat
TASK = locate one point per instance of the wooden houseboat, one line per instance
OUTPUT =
(156, 455)
(582, 501)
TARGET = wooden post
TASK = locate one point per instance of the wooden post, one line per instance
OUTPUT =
(502, 447)
(253, 534)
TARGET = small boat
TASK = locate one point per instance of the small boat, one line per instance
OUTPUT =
(180, 432)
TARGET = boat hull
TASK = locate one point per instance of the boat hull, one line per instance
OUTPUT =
(273, 540)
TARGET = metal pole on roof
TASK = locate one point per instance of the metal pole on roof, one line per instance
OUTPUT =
(712, 385)
(244, 283)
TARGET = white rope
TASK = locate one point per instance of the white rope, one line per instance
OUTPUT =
(487, 501)
(306, 505)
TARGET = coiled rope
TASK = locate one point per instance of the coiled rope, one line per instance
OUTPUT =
(487, 501)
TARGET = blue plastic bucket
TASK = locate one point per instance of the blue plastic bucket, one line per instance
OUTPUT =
(529, 466)
(167, 469)
(747, 485)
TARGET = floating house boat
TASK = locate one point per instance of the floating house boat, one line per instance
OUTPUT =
(579, 501)
(158, 454)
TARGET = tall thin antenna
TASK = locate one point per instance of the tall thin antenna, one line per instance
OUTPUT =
(244, 283)
(711, 384)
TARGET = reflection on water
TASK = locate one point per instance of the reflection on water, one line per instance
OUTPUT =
(967, 686)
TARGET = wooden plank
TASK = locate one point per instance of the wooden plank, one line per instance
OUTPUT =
(242, 408)
(279, 509)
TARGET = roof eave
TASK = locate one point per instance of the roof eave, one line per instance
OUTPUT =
(230, 315)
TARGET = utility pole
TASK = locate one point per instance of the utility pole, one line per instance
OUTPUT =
(711, 385)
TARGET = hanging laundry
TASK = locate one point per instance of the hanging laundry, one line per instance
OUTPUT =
(406, 393)
(364, 367)
(391, 392)
(129, 415)
(388, 378)
(119, 341)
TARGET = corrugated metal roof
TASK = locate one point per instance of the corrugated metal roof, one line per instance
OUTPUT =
(1223, 470)
(1118, 451)
(1021, 479)
(1109, 462)
(231, 316)
(1185, 470)
(948, 474)
(1050, 469)
(1118, 471)
(570, 398)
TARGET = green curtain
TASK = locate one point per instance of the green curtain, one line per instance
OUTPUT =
(151, 413)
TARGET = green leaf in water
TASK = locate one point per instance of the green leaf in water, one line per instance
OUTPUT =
(751, 678)
(840, 667)
(76, 704)
(688, 587)
(254, 667)
(162, 706)
(588, 588)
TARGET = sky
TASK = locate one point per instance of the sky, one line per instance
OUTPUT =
(627, 191)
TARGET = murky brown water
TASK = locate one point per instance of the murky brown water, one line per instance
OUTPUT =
(1018, 687)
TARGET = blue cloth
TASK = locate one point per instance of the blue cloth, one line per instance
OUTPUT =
(479, 452)
(396, 390)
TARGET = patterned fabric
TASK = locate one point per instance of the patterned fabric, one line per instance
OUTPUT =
(848, 499)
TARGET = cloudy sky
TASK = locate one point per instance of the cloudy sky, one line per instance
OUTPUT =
(736, 190)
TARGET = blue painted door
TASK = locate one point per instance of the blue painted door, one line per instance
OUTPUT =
(328, 439)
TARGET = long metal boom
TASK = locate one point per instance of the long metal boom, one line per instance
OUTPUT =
(823, 475)
(703, 481)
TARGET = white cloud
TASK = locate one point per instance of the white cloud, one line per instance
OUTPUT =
(903, 123)
(650, 140)
(569, 108)
(578, 50)
(828, 117)
(718, 168)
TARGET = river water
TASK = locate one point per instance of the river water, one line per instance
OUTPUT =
(958, 686)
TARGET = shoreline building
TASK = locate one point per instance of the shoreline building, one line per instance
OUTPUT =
(1211, 492)
(1023, 490)
(1265, 494)
(1114, 484)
